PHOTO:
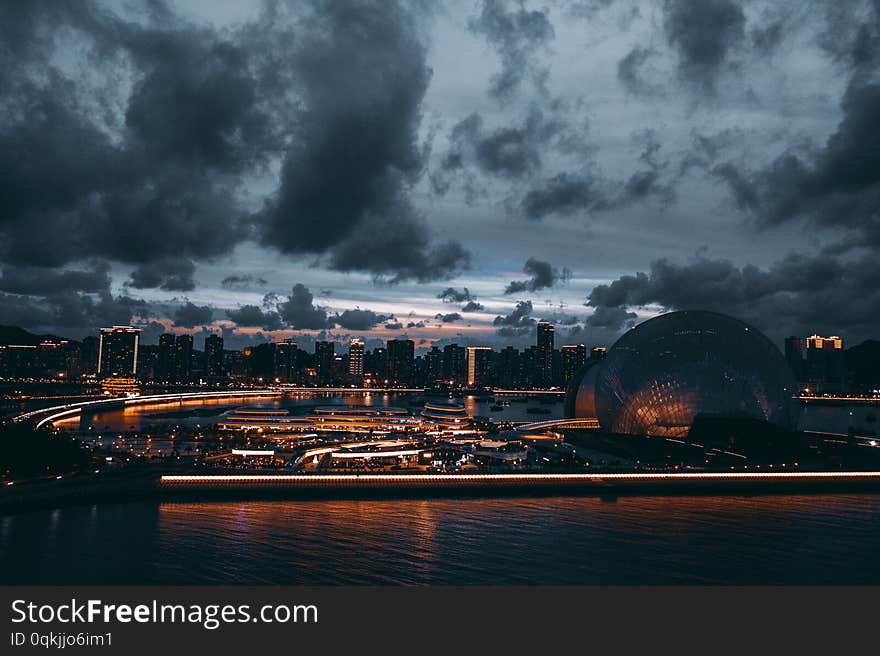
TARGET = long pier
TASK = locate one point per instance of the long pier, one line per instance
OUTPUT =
(488, 484)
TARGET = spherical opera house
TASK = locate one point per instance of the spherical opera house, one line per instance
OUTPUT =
(664, 372)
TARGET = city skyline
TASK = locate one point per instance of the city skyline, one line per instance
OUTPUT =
(118, 361)
(595, 163)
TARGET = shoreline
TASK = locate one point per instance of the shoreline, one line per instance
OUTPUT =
(148, 486)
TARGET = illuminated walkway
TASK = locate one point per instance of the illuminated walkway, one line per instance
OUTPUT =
(591, 422)
(598, 481)
(44, 416)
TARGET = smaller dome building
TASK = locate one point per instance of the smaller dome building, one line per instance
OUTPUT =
(446, 414)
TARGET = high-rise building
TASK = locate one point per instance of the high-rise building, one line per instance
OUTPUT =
(825, 367)
(235, 364)
(455, 364)
(325, 353)
(401, 356)
(508, 368)
(118, 351)
(356, 359)
(148, 361)
(183, 349)
(545, 333)
(284, 360)
(529, 366)
(420, 371)
(376, 364)
(214, 356)
(478, 362)
(573, 358)
(598, 353)
(165, 370)
(434, 365)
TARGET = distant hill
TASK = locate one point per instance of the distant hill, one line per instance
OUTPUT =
(863, 363)
(16, 335)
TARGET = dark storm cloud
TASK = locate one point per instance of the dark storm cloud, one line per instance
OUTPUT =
(395, 249)
(510, 152)
(613, 318)
(362, 74)
(507, 152)
(516, 34)
(448, 318)
(168, 273)
(472, 306)
(242, 281)
(190, 315)
(704, 33)
(849, 31)
(744, 193)
(299, 310)
(68, 302)
(646, 182)
(254, 316)
(358, 319)
(797, 294)
(542, 276)
(99, 186)
(833, 186)
(78, 314)
(453, 295)
(148, 157)
(564, 194)
(24, 312)
(411, 324)
(631, 75)
(767, 36)
(559, 317)
(583, 191)
(518, 322)
(45, 281)
(198, 101)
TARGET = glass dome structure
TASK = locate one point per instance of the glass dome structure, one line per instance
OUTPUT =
(661, 374)
(580, 394)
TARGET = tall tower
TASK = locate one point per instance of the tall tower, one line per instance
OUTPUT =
(434, 365)
(284, 360)
(214, 355)
(166, 370)
(478, 365)
(118, 351)
(545, 353)
(183, 348)
(356, 359)
(573, 358)
(325, 353)
(454, 363)
(401, 359)
(825, 364)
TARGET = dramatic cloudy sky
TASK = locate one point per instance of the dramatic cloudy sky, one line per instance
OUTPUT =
(449, 171)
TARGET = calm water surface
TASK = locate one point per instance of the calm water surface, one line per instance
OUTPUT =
(629, 540)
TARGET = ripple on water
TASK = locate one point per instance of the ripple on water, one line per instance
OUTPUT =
(810, 539)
